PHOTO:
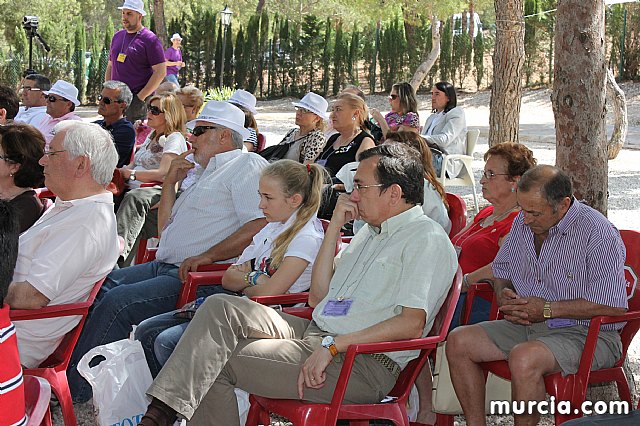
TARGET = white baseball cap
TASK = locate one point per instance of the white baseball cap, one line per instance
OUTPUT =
(224, 114)
(176, 36)
(135, 5)
(244, 99)
(314, 103)
(65, 90)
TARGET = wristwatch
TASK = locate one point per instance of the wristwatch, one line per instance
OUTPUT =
(132, 176)
(546, 311)
(330, 343)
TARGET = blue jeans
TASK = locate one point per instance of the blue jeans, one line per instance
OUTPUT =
(127, 297)
(479, 311)
(160, 334)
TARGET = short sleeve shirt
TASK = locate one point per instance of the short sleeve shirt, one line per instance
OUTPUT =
(149, 156)
(173, 55)
(141, 50)
(409, 262)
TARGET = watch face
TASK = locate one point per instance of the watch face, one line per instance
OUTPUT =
(327, 341)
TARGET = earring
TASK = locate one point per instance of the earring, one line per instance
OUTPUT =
(513, 189)
(353, 118)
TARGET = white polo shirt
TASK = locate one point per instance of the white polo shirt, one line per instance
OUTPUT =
(73, 245)
(33, 115)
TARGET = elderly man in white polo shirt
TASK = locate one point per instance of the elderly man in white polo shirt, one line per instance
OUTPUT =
(212, 221)
(62, 101)
(74, 244)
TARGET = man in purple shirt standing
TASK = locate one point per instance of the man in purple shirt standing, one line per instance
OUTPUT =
(561, 264)
(173, 55)
(136, 58)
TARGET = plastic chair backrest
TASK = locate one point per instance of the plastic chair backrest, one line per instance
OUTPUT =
(472, 139)
(262, 142)
(37, 395)
(44, 192)
(457, 213)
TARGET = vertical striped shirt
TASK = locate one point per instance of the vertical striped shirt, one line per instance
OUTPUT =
(581, 258)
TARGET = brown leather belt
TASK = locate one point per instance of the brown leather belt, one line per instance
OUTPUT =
(387, 363)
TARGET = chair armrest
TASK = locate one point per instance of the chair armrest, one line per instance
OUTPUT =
(299, 312)
(457, 157)
(150, 184)
(588, 352)
(214, 267)
(54, 311)
(282, 299)
(195, 280)
(395, 346)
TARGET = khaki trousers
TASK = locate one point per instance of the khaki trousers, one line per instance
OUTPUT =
(234, 342)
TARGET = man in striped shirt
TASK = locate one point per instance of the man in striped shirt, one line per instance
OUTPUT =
(562, 264)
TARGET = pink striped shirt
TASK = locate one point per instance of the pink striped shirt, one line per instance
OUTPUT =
(582, 257)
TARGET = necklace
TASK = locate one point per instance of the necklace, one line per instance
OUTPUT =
(490, 220)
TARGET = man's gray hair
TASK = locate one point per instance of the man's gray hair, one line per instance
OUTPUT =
(124, 95)
(236, 139)
(91, 141)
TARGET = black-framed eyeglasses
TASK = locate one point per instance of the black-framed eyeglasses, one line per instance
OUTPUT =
(200, 130)
(155, 110)
(54, 152)
(302, 110)
(359, 187)
(52, 99)
(107, 100)
(490, 175)
(393, 97)
(30, 89)
(6, 158)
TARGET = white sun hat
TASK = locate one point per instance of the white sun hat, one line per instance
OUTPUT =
(223, 114)
(135, 5)
(176, 36)
(314, 103)
(66, 90)
(244, 99)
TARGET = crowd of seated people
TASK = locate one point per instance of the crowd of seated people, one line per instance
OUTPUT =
(220, 202)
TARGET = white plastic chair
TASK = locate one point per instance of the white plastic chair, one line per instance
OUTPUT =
(465, 178)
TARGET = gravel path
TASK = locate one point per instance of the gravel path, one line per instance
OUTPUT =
(276, 117)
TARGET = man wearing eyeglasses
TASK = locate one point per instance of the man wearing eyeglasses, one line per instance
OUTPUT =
(62, 100)
(212, 221)
(112, 104)
(34, 111)
(74, 244)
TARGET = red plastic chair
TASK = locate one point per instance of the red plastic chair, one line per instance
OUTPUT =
(573, 387)
(37, 395)
(44, 192)
(54, 368)
(306, 413)
(262, 142)
(457, 213)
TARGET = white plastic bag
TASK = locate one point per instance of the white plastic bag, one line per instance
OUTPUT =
(119, 382)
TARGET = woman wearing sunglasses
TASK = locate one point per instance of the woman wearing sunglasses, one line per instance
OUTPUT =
(404, 110)
(307, 141)
(166, 116)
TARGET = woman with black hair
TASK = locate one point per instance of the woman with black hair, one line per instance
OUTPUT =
(446, 127)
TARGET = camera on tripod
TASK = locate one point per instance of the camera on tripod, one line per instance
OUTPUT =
(30, 25)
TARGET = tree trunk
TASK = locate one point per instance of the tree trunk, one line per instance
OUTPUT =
(260, 6)
(158, 19)
(578, 98)
(508, 65)
(618, 103)
(472, 23)
(425, 67)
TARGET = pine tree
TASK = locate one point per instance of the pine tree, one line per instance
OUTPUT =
(446, 43)
(228, 59)
(94, 84)
(326, 58)
(104, 53)
(79, 63)
(218, 56)
(338, 59)
(240, 60)
(478, 58)
(354, 55)
(264, 37)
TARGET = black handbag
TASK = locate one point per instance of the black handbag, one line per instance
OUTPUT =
(275, 152)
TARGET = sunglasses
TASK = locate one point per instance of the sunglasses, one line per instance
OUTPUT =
(53, 99)
(393, 97)
(200, 130)
(155, 110)
(107, 101)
